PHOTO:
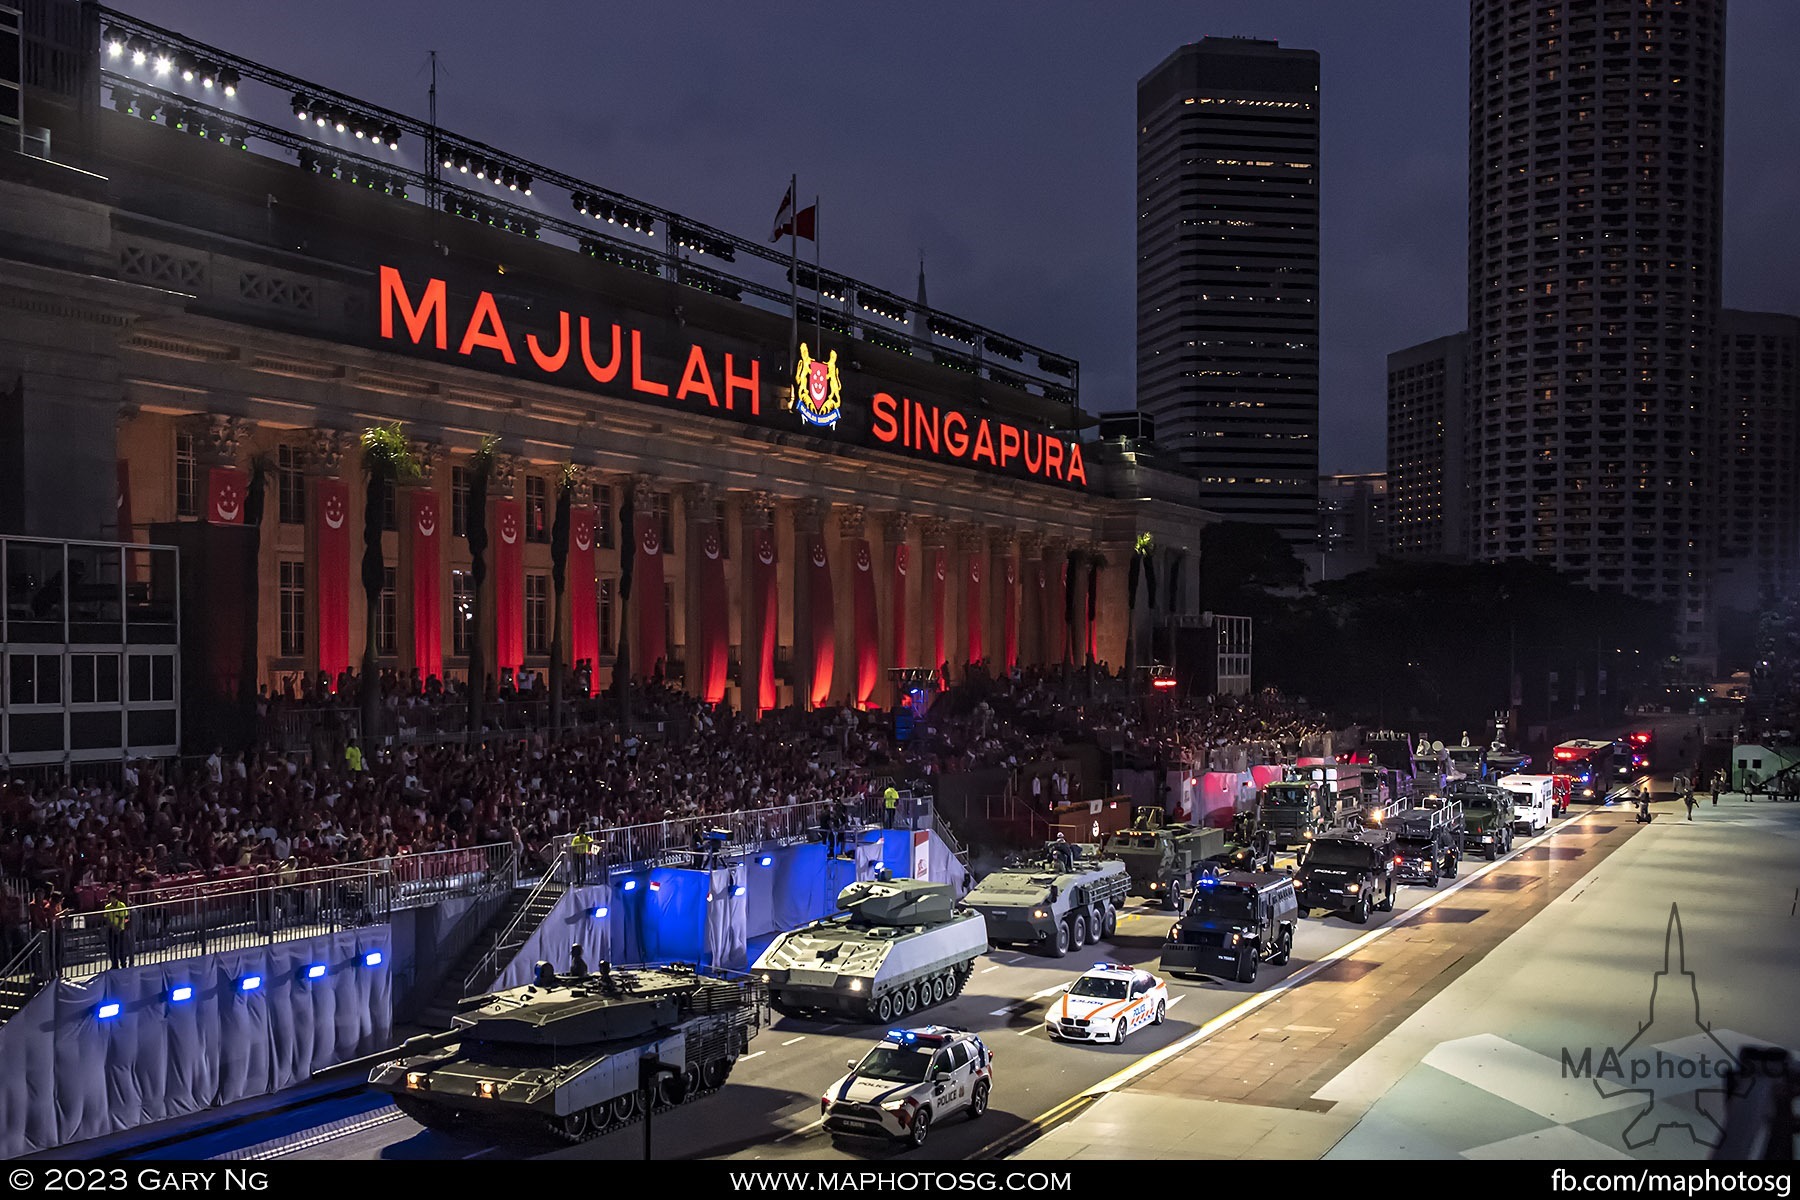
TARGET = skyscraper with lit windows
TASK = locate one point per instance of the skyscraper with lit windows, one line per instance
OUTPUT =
(1228, 275)
(1595, 170)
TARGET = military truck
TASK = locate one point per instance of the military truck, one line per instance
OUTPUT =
(1235, 921)
(1428, 843)
(1055, 900)
(1349, 873)
(1293, 812)
(1249, 849)
(1487, 818)
(1160, 857)
(577, 1055)
(894, 947)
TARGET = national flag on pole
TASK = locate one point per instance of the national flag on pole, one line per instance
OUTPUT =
(790, 224)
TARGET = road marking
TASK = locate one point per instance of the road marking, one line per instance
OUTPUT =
(1028, 1032)
(995, 967)
(1050, 991)
(1176, 1000)
(805, 1129)
(479, 1153)
(791, 1041)
(1045, 1121)
(748, 1057)
(1002, 1012)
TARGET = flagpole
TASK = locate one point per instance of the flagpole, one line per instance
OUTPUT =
(794, 276)
(818, 286)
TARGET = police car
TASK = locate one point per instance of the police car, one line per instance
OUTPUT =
(1106, 1003)
(910, 1080)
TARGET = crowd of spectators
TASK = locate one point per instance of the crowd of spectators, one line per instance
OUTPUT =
(679, 760)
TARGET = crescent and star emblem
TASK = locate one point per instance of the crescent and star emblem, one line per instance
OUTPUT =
(862, 558)
(334, 512)
(765, 553)
(509, 528)
(229, 508)
(940, 569)
(818, 554)
(975, 572)
(584, 538)
(652, 541)
(901, 557)
(711, 545)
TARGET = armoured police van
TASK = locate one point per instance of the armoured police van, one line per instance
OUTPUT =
(1534, 801)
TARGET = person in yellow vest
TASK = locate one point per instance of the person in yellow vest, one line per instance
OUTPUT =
(890, 800)
(117, 915)
(580, 846)
(353, 756)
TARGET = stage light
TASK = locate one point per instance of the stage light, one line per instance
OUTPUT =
(579, 202)
(391, 135)
(481, 168)
(316, 971)
(357, 128)
(228, 81)
(525, 184)
(340, 123)
(631, 885)
(187, 68)
(181, 995)
(139, 50)
(600, 913)
(372, 959)
(302, 106)
(115, 43)
(738, 890)
(765, 861)
(463, 164)
(249, 983)
(163, 64)
(107, 1011)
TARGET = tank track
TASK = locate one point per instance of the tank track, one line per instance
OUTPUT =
(956, 977)
(605, 1118)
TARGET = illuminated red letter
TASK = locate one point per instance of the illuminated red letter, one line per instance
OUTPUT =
(751, 383)
(697, 379)
(984, 442)
(884, 427)
(1053, 452)
(1034, 463)
(1077, 472)
(486, 330)
(924, 430)
(550, 364)
(638, 383)
(431, 308)
(1009, 443)
(956, 439)
(601, 375)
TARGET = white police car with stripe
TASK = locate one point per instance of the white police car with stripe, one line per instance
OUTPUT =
(1106, 1003)
(910, 1080)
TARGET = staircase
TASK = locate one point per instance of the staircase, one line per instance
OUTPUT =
(524, 910)
(17, 985)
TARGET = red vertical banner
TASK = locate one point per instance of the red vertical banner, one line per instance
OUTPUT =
(759, 651)
(902, 561)
(647, 596)
(824, 620)
(584, 613)
(331, 574)
(708, 591)
(974, 608)
(868, 623)
(509, 585)
(1009, 612)
(427, 534)
(225, 487)
(940, 568)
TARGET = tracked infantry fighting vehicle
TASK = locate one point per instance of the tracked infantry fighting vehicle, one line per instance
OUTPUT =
(1160, 857)
(578, 1055)
(897, 946)
(1055, 900)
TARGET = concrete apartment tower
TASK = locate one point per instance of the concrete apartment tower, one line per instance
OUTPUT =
(1596, 137)
(1228, 276)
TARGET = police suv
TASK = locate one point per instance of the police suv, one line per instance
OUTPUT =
(1106, 1003)
(910, 1080)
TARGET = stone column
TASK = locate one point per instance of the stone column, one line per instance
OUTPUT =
(935, 648)
(756, 511)
(851, 525)
(809, 519)
(897, 531)
(1031, 599)
(701, 507)
(1003, 594)
(430, 457)
(970, 571)
(1058, 651)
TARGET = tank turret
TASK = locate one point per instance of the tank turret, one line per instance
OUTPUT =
(575, 1010)
(898, 902)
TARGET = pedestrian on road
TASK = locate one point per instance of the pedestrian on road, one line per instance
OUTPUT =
(1687, 798)
(1717, 776)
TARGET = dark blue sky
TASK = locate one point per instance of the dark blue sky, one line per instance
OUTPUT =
(999, 137)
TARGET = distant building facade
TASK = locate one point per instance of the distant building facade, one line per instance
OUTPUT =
(1427, 513)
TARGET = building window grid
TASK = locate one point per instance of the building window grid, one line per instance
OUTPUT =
(537, 613)
(462, 613)
(291, 604)
(387, 616)
(537, 517)
(187, 476)
(290, 485)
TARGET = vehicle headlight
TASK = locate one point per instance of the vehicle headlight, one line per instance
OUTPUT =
(417, 1080)
(1038, 913)
(1234, 939)
(487, 1088)
(1353, 888)
(765, 977)
(1487, 837)
(856, 985)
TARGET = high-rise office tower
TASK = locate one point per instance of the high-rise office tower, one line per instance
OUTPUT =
(1595, 146)
(1228, 275)
(1427, 515)
(1759, 462)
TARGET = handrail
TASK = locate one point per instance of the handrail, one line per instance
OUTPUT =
(490, 966)
(21, 962)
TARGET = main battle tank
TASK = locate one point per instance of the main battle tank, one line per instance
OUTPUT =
(577, 1054)
(1160, 857)
(1057, 899)
(897, 946)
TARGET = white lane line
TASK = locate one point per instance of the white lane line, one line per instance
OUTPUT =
(1001, 1012)
(1174, 1000)
(1028, 1032)
(479, 1153)
(805, 1129)
(985, 970)
(748, 1057)
(1049, 991)
(791, 1041)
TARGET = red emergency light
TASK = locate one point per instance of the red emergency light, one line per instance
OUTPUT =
(1162, 684)
(1566, 755)
(1640, 737)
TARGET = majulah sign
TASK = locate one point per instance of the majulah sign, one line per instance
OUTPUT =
(580, 350)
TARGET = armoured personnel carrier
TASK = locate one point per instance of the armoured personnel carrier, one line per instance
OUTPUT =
(1160, 857)
(578, 1055)
(897, 946)
(1055, 900)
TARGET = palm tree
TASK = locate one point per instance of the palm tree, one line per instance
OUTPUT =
(387, 461)
(559, 575)
(475, 533)
(1140, 562)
